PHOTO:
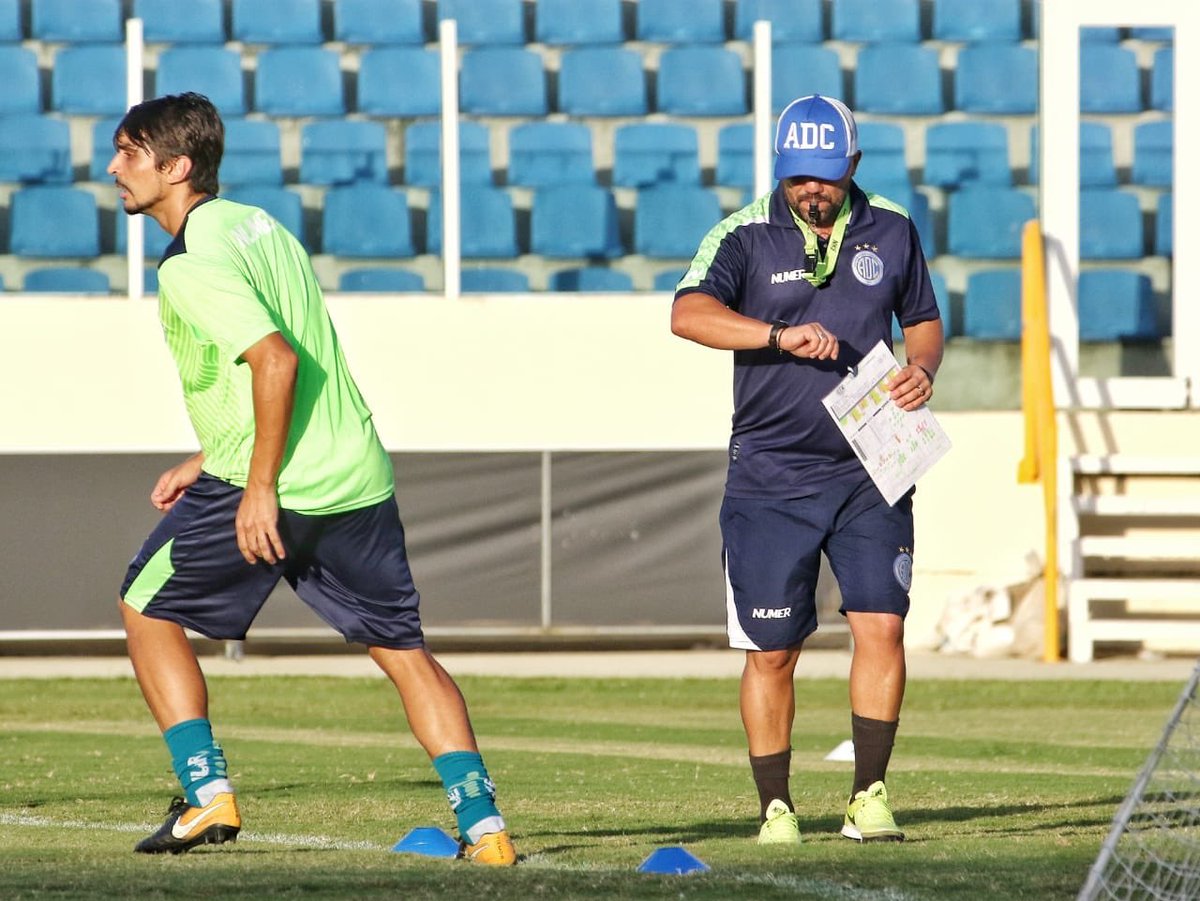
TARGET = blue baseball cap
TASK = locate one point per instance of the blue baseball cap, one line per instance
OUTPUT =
(816, 136)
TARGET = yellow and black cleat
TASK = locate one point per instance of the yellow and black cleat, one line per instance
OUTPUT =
(494, 849)
(186, 826)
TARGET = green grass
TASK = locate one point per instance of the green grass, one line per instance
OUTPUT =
(1006, 790)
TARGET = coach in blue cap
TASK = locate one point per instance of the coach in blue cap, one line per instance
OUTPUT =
(800, 285)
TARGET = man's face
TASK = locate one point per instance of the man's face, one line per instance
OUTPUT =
(817, 201)
(143, 184)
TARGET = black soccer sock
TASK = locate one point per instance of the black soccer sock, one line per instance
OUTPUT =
(873, 740)
(771, 773)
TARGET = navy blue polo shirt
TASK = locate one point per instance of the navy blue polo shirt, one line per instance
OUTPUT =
(784, 444)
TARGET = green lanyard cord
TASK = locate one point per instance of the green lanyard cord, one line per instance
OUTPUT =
(812, 246)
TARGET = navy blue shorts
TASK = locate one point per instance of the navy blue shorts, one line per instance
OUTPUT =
(350, 568)
(772, 555)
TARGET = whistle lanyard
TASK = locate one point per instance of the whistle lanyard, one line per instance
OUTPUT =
(812, 247)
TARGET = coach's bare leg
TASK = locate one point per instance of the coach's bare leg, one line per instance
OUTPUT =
(768, 700)
(436, 711)
(166, 668)
(877, 667)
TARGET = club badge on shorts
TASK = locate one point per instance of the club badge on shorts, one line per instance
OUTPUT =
(866, 265)
(902, 568)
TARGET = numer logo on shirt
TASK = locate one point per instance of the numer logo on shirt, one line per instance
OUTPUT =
(259, 224)
(789, 275)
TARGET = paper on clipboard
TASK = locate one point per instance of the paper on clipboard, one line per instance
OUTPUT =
(896, 447)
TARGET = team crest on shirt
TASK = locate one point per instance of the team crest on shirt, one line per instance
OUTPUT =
(866, 265)
(902, 568)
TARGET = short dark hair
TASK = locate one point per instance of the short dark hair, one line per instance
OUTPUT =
(179, 125)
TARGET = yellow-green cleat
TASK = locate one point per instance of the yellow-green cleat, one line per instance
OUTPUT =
(869, 817)
(780, 826)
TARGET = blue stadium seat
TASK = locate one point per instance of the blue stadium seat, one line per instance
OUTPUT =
(798, 70)
(150, 280)
(987, 222)
(1153, 154)
(214, 71)
(1116, 305)
(681, 21)
(162, 21)
(366, 220)
(423, 154)
(502, 81)
(670, 220)
(22, 85)
(1164, 223)
(75, 22)
(735, 155)
(650, 153)
(992, 305)
(1162, 73)
(942, 294)
(154, 241)
(883, 155)
(1110, 225)
(343, 151)
(378, 22)
(1153, 33)
(917, 205)
(282, 204)
(252, 153)
(1096, 169)
(1099, 34)
(574, 221)
(602, 81)
(488, 226)
(102, 148)
(486, 280)
(701, 81)
(963, 154)
(667, 279)
(590, 278)
(876, 20)
(973, 21)
(799, 21)
(380, 281)
(1109, 79)
(299, 81)
(276, 22)
(550, 153)
(404, 82)
(10, 24)
(996, 79)
(565, 22)
(879, 90)
(66, 280)
(53, 221)
(83, 78)
(485, 21)
(35, 150)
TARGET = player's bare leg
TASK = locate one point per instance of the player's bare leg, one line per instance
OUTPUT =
(768, 704)
(166, 668)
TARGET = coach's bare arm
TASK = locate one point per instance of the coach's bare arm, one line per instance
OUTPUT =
(704, 319)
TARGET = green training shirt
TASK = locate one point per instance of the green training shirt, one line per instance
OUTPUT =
(232, 276)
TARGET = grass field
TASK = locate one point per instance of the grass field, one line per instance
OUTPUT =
(1006, 790)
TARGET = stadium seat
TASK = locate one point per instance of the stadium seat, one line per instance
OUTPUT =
(22, 84)
(1153, 153)
(1152, 33)
(1162, 75)
(82, 80)
(154, 242)
(601, 81)
(343, 151)
(1109, 79)
(299, 81)
(963, 154)
(102, 148)
(550, 153)
(681, 21)
(282, 204)
(485, 280)
(701, 81)
(488, 226)
(66, 280)
(574, 221)
(10, 25)
(485, 21)
(402, 82)
(277, 22)
(650, 153)
(992, 305)
(162, 22)
(735, 155)
(987, 222)
(879, 90)
(1099, 34)
(366, 220)
(565, 22)
(74, 22)
(35, 150)
(252, 153)
(423, 154)
(916, 203)
(883, 155)
(1164, 223)
(876, 21)
(798, 70)
(150, 280)
(54, 221)
(1110, 225)
(996, 79)
(667, 280)
(1116, 305)
(1096, 169)
(971, 21)
(590, 278)
(214, 71)
(378, 22)
(942, 294)
(798, 21)
(380, 281)
(670, 220)
(502, 81)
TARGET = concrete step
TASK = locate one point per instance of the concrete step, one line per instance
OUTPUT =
(1166, 548)
(1134, 464)
(1132, 505)
(1171, 590)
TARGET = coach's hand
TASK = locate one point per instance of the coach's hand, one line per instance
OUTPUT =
(171, 484)
(810, 340)
(258, 525)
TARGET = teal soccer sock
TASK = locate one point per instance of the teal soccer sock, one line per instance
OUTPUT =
(471, 794)
(198, 761)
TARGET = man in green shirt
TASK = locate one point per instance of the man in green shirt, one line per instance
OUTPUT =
(291, 482)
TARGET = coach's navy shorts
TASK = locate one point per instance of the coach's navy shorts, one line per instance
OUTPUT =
(350, 568)
(772, 555)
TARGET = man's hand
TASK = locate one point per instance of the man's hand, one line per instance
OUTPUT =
(911, 388)
(171, 484)
(258, 526)
(810, 340)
